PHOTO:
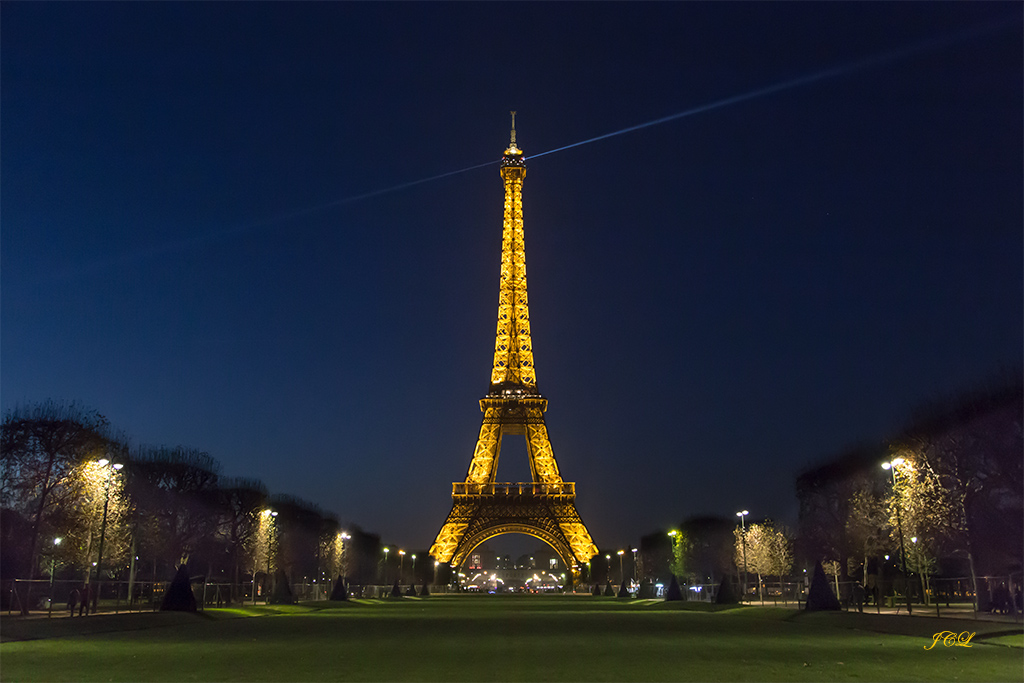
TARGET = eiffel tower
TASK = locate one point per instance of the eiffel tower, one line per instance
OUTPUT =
(545, 507)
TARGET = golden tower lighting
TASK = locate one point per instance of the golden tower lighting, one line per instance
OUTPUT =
(544, 507)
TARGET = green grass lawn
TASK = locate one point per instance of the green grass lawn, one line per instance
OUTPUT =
(505, 638)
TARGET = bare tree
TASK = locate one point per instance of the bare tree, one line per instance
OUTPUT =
(94, 510)
(240, 503)
(175, 492)
(40, 445)
(868, 529)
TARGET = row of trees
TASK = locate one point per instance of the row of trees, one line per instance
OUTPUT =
(64, 474)
(950, 499)
(952, 493)
(954, 487)
(704, 550)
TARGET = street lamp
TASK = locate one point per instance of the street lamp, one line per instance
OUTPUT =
(114, 468)
(53, 559)
(674, 535)
(891, 466)
(743, 540)
(622, 576)
(342, 563)
(414, 567)
(267, 535)
(608, 568)
(401, 565)
(386, 551)
(634, 564)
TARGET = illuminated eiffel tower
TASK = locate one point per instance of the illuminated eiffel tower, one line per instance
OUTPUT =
(545, 507)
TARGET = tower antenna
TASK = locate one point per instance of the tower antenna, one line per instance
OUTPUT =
(513, 129)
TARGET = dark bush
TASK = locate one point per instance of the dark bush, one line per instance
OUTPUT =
(674, 592)
(179, 596)
(282, 594)
(727, 592)
(820, 595)
(340, 590)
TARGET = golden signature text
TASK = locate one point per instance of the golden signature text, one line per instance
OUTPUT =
(949, 639)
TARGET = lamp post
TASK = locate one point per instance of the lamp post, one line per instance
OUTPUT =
(414, 568)
(743, 541)
(53, 559)
(608, 568)
(343, 560)
(622, 575)
(114, 468)
(266, 537)
(386, 550)
(401, 566)
(891, 466)
(634, 565)
(674, 535)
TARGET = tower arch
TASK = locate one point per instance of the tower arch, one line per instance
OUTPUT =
(498, 528)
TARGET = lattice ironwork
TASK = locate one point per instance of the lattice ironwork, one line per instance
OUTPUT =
(544, 508)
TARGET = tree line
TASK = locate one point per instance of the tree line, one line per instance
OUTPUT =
(944, 497)
(139, 513)
(949, 502)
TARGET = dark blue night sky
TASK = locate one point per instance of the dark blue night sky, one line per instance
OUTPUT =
(717, 301)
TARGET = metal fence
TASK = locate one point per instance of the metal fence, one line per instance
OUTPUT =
(996, 594)
(56, 597)
(943, 596)
(24, 595)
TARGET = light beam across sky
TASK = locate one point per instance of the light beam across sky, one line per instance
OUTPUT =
(882, 58)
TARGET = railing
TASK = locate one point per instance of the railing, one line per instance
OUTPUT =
(39, 596)
(535, 489)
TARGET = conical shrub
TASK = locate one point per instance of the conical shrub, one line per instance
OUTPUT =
(282, 594)
(179, 596)
(674, 592)
(820, 596)
(340, 590)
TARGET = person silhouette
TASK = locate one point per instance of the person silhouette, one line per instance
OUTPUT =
(73, 601)
(83, 608)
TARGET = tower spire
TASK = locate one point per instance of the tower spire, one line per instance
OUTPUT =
(513, 154)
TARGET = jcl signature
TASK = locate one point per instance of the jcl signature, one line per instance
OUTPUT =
(949, 639)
